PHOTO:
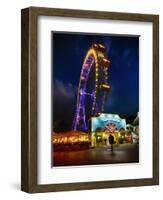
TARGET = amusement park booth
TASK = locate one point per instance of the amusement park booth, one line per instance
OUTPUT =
(106, 124)
(71, 140)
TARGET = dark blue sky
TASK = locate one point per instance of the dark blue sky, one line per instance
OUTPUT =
(69, 51)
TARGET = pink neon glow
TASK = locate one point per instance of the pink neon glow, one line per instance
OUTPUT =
(86, 65)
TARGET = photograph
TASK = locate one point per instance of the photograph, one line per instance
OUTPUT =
(95, 99)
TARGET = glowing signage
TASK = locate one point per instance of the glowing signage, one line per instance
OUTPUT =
(105, 119)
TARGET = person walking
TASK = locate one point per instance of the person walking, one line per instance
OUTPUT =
(111, 141)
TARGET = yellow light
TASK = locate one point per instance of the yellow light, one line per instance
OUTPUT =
(95, 45)
(106, 61)
(100, 45)
(82, 78)
(105, 86)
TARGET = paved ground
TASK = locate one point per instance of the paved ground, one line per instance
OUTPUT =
(124, 153)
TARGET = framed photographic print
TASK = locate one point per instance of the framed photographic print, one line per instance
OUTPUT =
(90, 100)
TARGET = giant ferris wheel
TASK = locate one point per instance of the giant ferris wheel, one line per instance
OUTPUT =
(96, 63)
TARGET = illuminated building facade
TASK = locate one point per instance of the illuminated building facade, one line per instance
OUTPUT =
(106, 124)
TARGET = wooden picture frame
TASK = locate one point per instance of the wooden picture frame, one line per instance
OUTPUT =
(29, 112)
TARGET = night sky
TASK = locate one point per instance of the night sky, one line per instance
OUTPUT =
(69, 51)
